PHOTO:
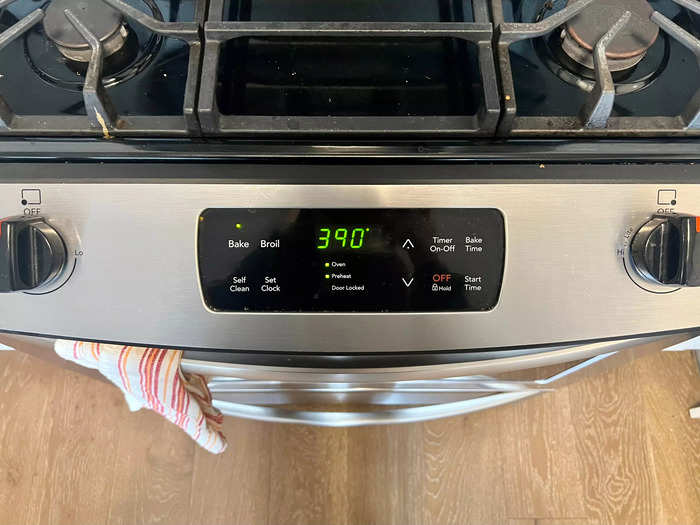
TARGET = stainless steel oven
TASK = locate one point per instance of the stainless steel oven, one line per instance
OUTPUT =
(385, 203)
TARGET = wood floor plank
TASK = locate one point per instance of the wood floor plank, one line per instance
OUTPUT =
(85, 419)
(234, 487)
(619, 482)
(552, 521)
(385, 475)
(670, 385)
(542, 475)
(153, 471)
(464, 470)
(26, 392)
(308, 472)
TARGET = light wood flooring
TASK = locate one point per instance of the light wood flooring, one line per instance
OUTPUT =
(616, 447)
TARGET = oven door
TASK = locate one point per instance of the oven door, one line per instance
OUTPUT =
(344, 397)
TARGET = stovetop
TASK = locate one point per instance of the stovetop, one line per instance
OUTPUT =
(332, 68)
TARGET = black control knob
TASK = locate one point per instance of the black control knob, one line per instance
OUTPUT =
(32, 253)
(666, 250)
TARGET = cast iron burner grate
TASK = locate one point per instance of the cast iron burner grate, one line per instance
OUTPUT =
(331, 67)
(637, 75)
(84, 55)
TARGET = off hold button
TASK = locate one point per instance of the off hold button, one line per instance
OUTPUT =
(442, 282)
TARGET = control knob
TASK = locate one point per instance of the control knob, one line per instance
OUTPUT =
(32, 253)
(666, 250)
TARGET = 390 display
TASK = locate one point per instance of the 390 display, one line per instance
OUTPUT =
(350, 260)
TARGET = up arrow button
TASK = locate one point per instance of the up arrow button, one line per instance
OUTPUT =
(408, 244)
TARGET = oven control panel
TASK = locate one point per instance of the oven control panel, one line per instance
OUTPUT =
(350, 260)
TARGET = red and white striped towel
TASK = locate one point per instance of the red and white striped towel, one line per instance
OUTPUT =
(151, 378)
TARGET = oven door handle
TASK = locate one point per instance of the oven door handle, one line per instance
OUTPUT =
(411, 414)
(379, 417)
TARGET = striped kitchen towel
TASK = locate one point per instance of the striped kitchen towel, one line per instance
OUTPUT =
(151, 378)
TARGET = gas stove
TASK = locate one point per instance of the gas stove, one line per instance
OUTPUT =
(349, 178)
(154, 68)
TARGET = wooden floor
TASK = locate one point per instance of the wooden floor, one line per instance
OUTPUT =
(612, 448)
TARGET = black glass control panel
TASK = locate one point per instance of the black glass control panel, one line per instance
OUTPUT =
(351, 260)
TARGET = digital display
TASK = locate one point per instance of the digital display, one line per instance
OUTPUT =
(342, 237)
(351, 260)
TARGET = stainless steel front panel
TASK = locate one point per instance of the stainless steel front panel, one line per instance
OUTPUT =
(135, 276)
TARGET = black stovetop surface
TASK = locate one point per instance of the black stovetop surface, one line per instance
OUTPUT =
(335, 68)
(38, 80)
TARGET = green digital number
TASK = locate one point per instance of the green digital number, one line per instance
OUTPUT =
(357, 238)
(341, 234)
(324, 239)
(342, 238)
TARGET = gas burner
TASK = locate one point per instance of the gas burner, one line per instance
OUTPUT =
(105, 23)
(574, 40)
(582, 32)
(127, 49)
(566, 53)
(84, 47)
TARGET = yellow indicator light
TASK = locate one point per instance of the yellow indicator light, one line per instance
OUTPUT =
(328, 276)
(327, 265)
(239, 226)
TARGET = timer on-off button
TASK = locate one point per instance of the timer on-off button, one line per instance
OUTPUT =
(442, 245)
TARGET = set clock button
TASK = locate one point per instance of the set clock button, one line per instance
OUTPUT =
(270, 285)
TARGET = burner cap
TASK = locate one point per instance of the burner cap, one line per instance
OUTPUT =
(593, 22)
(103, 21)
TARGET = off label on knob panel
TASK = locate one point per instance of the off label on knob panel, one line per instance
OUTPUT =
(351, 260)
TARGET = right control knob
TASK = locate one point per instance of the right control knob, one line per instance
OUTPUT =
(666, 250)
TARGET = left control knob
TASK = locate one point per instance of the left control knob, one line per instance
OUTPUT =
(32, 253)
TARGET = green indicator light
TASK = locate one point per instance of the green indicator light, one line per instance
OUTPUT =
(327, 265)
(239, 226)
(328, 276)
